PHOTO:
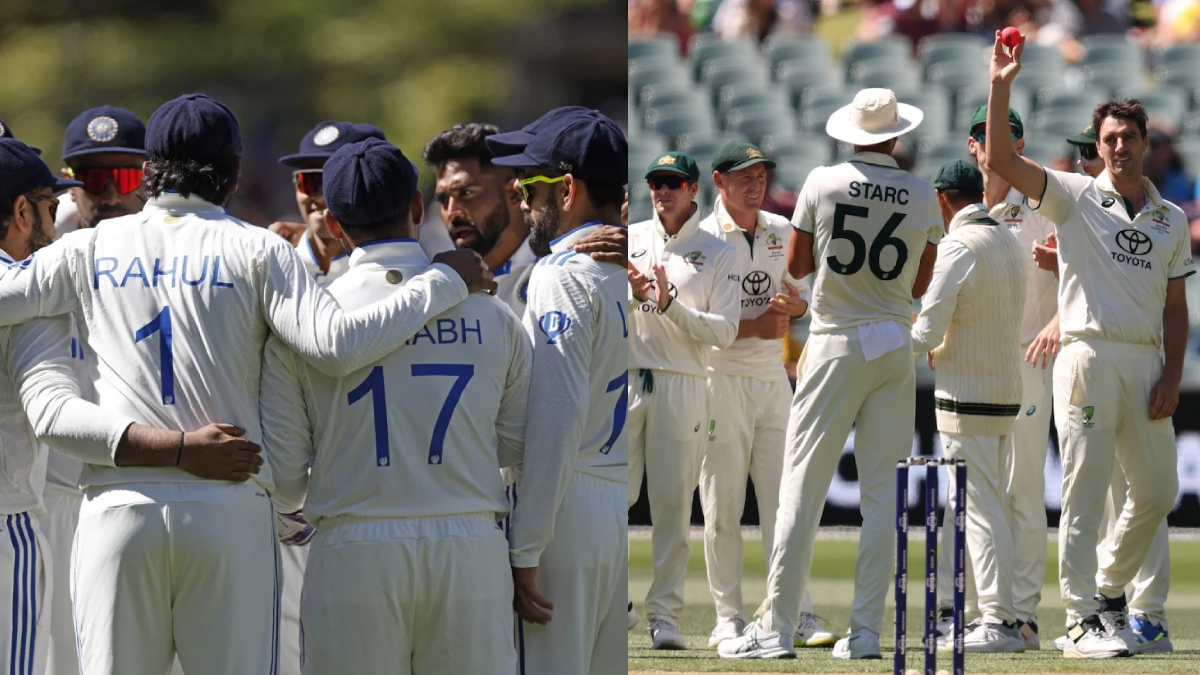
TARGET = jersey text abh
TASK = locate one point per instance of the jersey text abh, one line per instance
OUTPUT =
(190, 270)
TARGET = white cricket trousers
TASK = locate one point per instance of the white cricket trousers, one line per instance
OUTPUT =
(187, 569)
(749, 421)
(989, 538)
(1025, 490)
(838, 389)
(292, 560)
(667, 434)
(408, 596)
(1147, 594)
(583, 571)
(58, 523)
(1101, 407)
(26, 592)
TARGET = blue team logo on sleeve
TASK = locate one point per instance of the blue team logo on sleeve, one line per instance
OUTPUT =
(554, 324)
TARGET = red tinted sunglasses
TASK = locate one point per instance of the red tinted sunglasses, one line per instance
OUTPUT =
(95, 181)
(308, 181)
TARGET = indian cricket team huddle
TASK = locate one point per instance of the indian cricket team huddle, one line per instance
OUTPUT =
(1010, 261)
(275, 456)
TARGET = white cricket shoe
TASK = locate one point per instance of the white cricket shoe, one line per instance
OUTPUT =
(727, 630)
(993, 638)
(1151, 637)
(1029, 633)
(812, 631)
(1089, 639)
(633, 617)
(1114, 616)
(665, 635)
(945, 641)
(755, 642)
(861, 644)
(1060, 642)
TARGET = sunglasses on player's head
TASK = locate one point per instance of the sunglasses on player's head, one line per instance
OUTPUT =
(308, 181)
(125, 179)
(671, 183)
(1088, 152)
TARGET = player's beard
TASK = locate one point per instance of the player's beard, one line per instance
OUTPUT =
(38, 239)
(488, 234)
(543, 227)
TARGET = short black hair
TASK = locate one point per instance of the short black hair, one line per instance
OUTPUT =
(604, 195)
(464, 141)
(958, 195)
(399, 226)
(6, 208)
(213, 181)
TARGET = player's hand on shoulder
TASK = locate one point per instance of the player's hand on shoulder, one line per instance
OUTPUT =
(470, 266)
(527, 601)
(218, 452)
(610, 244)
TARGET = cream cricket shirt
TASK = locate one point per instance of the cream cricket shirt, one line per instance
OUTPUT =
(871, 222)
(762, 268)
(1041, 288)
(1114, 269)
(337, 265)
(705, 284)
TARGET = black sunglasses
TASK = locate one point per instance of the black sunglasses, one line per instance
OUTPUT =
(1088, 152)
(669, 183)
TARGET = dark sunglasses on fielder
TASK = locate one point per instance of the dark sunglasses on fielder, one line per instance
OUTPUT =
(308, 181)
(669, 183)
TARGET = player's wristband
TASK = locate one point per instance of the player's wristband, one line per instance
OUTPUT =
(179, 450)
(669, 301)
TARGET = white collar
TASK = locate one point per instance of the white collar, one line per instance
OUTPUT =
(568, 240)
(726, 222)
(692, 226)
(389, 253)
(966, 214)
(173, 201)
(877, 158)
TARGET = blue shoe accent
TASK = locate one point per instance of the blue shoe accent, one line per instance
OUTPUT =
(1145, 630)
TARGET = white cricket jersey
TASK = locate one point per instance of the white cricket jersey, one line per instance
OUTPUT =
(337, 265)
(704, 281)
(418, 433)
(67, 219)
(870, 222)
(1113, 269)
(578, 394)
(178, 301)
(512, 278)
(63, 471)
(1041, 288)
(762, 269)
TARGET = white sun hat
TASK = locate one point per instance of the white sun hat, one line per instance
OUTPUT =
(872, 118)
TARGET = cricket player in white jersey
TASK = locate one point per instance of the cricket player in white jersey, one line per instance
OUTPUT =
(1123, 255)
(568, 544)
(405, 487)
(684, 282)
(37, 378)
(1148, 590)
(869, 231)
(970, 325)
(177, 300)
(748, 387)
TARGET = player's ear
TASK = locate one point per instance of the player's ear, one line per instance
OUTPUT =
(416, 209)
(512, 191)
(717, 180)
(334, 227)
(570, 192)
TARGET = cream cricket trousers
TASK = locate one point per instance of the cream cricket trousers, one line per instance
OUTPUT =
(1147, 594)
(26, 592)
(989, 538)
(749, 421)
(667, 434)
(58, 524)
(838, 389)
(160, 569)
(292, 560)
(408, 596)
(583, 571)
(1101, 407)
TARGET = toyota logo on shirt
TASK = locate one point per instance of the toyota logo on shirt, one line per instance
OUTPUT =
(756, 283)
(1134, 242)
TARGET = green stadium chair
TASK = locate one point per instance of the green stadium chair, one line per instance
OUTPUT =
(895, 48)
(673, 121)
(755, 124)
(790, 174)
(1058, 124)
(816, 112)
(750, 94)
(718, 75)
(1038, 57)
(1166, 104)
(1120, 79)
(661, 47)
(813, 52)
(798, 83)
(1082, 102)
(801, 148)
(705, 144)
(1111, 49)
(642, 75)
(955, 75)
(670, 93)
(952, 47)
(1185, 55)
(938, 153)
(703, 52)
(967, 101)
(648, 145)
(890, 74)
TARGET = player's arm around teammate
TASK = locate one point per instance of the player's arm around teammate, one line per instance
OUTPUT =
(685, 282)
(971, 317)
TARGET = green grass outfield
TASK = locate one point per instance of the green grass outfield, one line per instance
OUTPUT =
(832, 589)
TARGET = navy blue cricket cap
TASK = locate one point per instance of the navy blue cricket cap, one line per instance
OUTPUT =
(513, 142)
(104, 129)
(368, 182)
(7, 132)
(327, 137)
(587, 145)
(21, 171)
(193, 126)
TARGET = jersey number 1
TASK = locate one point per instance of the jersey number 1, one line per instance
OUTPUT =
(882, 241)
(161, 324)
(374, 385)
